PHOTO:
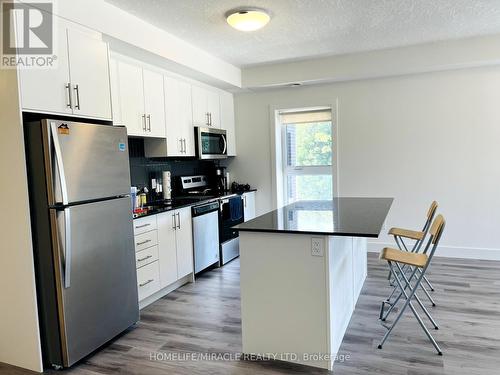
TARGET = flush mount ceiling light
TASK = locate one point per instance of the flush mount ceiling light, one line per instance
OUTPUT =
(248, 19)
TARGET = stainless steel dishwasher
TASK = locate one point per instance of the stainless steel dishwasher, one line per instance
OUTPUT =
(205, 235)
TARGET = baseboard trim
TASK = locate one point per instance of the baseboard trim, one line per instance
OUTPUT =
(448, 251)
(163, 292)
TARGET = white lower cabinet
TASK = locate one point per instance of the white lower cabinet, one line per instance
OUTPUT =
(167, 248)
(184, 242)
(148, 280)
(146, 256)
(164, 250)
(249, 205)
(175, 245)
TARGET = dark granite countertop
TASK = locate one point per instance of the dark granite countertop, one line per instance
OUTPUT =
(177, 203)
(159, 207)
(345, 216)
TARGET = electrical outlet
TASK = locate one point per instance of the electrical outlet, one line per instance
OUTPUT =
(317, 247)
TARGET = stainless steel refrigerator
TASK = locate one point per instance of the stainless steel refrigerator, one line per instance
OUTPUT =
(79, 181)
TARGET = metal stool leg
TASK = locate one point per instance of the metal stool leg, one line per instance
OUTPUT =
(408, 303)
(418, 299)
(393, 304)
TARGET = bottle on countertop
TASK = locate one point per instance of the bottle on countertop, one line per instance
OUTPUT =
(144, 197)
(133, 197)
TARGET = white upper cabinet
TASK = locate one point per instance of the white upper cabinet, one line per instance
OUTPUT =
(179, 119)
(130, 103)
(79, 85)
(213, 104)
(206, 107)
(115, 91)
(89, 71)
(227, 121)
(48, 90)
(139, 104)
(154, 103)
(166, 108)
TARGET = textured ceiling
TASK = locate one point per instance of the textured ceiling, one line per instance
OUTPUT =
(302, 29)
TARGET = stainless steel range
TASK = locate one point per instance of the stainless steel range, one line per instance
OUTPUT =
(230, 213)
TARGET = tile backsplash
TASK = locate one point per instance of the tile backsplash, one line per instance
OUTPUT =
(142, 169)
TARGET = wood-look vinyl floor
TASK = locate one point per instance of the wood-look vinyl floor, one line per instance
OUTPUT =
(205, 317)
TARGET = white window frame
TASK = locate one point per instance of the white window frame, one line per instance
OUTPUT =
(278, 153)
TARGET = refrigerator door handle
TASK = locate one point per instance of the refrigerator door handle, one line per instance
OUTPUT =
(67, 246)
(59, 161)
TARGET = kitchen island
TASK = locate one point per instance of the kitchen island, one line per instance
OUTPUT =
(302, 270)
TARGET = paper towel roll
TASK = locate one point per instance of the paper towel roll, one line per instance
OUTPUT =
(167, 185)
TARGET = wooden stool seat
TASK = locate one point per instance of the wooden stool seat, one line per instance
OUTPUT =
(395, 255)
(407, 233)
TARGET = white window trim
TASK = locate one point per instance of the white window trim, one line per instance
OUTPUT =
(278, 176)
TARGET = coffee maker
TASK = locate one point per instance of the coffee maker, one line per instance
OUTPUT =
(220, 179)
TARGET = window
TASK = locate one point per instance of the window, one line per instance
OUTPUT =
(307, 146)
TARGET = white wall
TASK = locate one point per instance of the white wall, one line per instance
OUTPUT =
(415, 138)
(19, 337)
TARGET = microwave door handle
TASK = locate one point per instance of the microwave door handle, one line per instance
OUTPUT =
(225, 144)
(59, 162)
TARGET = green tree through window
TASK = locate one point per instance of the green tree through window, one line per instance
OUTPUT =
(309, 159)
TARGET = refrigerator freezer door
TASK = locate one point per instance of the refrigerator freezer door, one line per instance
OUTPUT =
(88, 161)
(99, 282)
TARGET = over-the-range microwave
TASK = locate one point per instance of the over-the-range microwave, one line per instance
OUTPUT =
(211, 143)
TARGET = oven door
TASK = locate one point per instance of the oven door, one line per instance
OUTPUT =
(211, 143)
(227, 221)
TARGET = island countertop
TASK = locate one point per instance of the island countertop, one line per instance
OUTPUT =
(343, 216)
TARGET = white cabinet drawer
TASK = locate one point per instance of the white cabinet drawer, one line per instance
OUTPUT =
(148, 280)
(144, 224)
(145, 240)
(147, 256)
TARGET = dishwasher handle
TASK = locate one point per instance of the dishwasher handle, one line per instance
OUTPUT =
(204, 209)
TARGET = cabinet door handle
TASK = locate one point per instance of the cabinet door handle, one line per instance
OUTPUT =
(142, 226)
(210, 118)
(145, 258)
(149, 121)
(174, 225)
(142, 242)
(70, 101)
(144, 122)
(178, 220)
(77, 90)
(185, 148)
(146, 283)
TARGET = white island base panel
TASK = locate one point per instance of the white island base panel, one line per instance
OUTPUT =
(296, 306)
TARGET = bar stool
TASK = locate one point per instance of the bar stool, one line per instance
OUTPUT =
(418, 236)
(400, 233)
(415, 261)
